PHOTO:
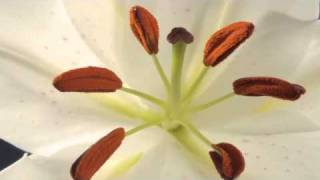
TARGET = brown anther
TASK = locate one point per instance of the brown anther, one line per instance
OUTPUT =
(180, 34)
(223, 42)
(268, 86)
(229, 161)
(88, 79)
(94, 157)
(145, 27)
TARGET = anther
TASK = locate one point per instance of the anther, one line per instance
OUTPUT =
(222, 43)
(229, 162)
(88, 79)
(145, 27)
(94, 157)
(268, 86)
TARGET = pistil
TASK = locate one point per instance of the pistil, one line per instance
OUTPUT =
(179, 37)
(178, 51)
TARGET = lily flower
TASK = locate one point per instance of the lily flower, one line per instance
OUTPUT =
(160, 90)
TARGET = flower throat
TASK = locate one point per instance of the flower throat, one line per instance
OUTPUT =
(174, 112)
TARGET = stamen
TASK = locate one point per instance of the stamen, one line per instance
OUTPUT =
(212, 102)
(229, 162)
(179, 38)
(197, 133)
(88, 79)
(268, 86)
(195, 85)
(222, 43)
(161, 72)
(145, 27)
(93, 158)
(192, 144)
(143, 126)
(145, 96)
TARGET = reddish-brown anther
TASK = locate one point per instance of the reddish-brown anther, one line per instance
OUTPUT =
(145, 27)
(229, 162)
(268, 86)
(88, 79)
(222, 43)
(93, 158)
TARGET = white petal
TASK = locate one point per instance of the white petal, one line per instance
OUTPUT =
(251, 10)
(278, 48)
(108, 32)
(169, 160)
(41, 32)
(39, 119)
(36, 168)
(287, 156)
(307, 74)
(271, 122)
(34, 40)
(57, 164)
(34, 114)
(307, 107)
(269, 15)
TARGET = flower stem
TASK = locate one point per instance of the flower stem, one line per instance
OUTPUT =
(142, 126)
(144, 96)
(161, 72)
(178, 51)
(212, 102)
(194, 86)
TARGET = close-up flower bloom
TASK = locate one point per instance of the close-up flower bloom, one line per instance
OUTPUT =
(177, 90)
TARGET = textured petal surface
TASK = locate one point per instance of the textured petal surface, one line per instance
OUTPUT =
(37, 43)
(284, 156)
(169, 160)
(108, 33)
(256, 12)
(41, 32)
(252, 10)
(36, 168)
(268, 53)
(57, 164)
(38, 40)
